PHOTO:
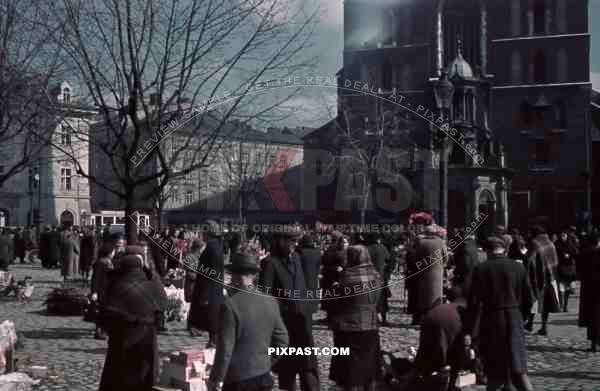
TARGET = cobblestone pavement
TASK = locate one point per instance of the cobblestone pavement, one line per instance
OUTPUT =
(67, 347)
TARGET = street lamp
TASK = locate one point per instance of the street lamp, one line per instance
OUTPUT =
(444, 92)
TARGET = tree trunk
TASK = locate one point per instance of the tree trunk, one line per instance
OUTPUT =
(131, 227)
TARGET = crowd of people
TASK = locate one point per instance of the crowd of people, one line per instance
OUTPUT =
(483, 293)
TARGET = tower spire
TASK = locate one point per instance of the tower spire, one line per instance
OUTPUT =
(459, 46)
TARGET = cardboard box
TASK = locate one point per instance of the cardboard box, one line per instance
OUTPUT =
(465, 379)
(186, 357)
(191, 385)
(175, 371)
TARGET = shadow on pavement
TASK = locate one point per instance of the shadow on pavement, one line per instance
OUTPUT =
(59, 333)
(551, 349)
(567, 375)
(563, 322)
(97, 351)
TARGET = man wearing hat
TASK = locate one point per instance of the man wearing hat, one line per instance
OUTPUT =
(283, 277)
(250, 324)
(130, 317)
(500, 294)
(208, 289)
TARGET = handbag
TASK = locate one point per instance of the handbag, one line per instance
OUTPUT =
(91, 311)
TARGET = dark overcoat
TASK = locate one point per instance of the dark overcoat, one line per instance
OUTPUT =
(588, 268)
(426, 270)
(311, 265)
(277, 278)
(88, 252)
(465, 260)
(500, 294)
(542, 257)
(54, 248)
(5, 252)
(208, 289)
(130, 317)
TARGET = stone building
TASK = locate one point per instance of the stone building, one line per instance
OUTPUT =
(49, 191)
(523, 69)
(232, 186)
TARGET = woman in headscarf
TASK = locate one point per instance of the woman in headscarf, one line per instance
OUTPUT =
(130, 317)
(333, 262)
(354, 322)
(100, 279)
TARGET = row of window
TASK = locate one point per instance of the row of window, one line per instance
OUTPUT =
(540, 16)
(538, 67)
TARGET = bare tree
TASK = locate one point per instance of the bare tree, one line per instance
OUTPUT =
(150, 66)
(374, 144)
(29, 62)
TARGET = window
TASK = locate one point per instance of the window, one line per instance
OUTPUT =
(405, 77)
(189, 197)
(387, 75)
(561, 16)
(65, 134)
(541, 152)
(108, 220)
(539, 17)
(282, 163)
(245, 157)
(539, 67)
(562, 66)
(515, 67)
(65, 179)
(560, 116)
(407, 24)
(120, 220)
(66, 95)
(515, 18)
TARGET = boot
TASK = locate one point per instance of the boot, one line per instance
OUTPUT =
(529, 324)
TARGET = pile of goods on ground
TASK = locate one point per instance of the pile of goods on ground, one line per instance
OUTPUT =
(187, 369)
(66, 301)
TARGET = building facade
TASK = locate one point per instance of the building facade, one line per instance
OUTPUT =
(534, 57)
(50, 191)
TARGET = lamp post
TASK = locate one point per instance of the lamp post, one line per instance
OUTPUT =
(39, 198)
(444, 92)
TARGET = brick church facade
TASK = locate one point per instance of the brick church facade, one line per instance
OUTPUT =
(521, 70)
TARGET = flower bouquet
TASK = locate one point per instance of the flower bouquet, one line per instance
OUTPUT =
(175, 277)
(177, 308)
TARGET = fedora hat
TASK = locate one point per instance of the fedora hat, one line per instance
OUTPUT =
(242, 263)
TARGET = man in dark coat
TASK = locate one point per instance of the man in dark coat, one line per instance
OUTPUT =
(88, 252)
(466, 258)
(426, 270)
(5, 252)
(129, 316)
(208, 289)
(251, 324)
(380, 257)
(500, 293)
(333, 262)
(567, 273)
(69, 252)
(54, 248)
(19, 245)
(588, 269)
(283, 278)
(310, 257)
(542, 256)
(45, 247)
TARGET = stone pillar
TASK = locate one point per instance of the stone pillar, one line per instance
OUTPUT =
(483, 42)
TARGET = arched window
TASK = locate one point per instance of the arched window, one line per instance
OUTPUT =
(389, 26)
(560, 115)
(539, 67)
(562, 63)
(407, 25)
(66, 95)
(516, 67)
(388, 80)
(539, 16)
(405, 75)
(561, 16)
(515, 18)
